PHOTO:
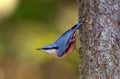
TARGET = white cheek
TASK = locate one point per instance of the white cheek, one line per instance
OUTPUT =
(50, 51)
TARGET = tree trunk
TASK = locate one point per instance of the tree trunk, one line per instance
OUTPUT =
(100, 39)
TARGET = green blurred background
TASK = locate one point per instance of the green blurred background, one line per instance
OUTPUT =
(28, 24)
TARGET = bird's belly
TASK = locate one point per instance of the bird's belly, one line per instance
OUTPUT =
(70, 49)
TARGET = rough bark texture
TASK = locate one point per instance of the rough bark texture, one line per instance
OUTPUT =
(100, 37)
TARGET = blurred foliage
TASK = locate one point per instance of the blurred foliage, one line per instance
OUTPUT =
(35, 24)
(45, 10)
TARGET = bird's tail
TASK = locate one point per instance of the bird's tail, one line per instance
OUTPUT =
(77, 26)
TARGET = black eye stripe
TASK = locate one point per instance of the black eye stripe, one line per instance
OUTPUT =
(50, 48)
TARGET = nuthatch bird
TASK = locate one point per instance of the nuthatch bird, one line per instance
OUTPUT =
(64, 45)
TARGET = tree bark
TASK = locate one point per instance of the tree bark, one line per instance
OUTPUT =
(100, 39)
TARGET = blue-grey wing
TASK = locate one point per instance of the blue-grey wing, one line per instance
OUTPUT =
(63, 41)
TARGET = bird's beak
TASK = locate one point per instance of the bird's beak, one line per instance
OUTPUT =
(39, 49)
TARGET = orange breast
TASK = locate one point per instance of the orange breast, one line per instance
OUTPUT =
(70, 49)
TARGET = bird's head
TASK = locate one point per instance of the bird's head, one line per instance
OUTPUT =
(51, 49)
